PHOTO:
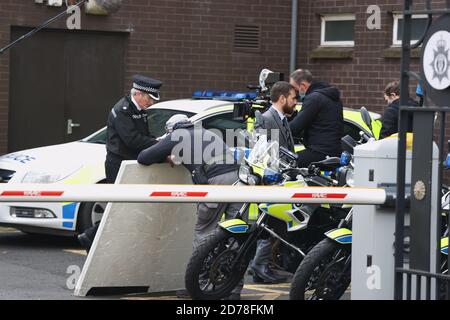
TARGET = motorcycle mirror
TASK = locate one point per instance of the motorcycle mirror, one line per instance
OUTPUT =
(348, 144)
(365, 115)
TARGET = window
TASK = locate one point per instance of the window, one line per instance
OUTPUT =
(222, 122)
(157, 119)
(338, 30)
(352, 130)
(156, 123)
(419, 24)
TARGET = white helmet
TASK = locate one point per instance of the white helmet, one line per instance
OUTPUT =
(173, 120)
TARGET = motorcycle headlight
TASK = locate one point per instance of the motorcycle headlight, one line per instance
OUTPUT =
(244, 173)
(349, 179)
(254, 180)
(46, 176)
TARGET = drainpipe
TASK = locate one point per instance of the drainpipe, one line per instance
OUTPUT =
(294, 22)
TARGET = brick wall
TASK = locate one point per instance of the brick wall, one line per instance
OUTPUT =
(187, 44)
(363, 77)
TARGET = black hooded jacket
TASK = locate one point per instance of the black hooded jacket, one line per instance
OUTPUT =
(320, 122)
(390, 118)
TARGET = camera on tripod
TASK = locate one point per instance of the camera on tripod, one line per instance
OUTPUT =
(246, 109)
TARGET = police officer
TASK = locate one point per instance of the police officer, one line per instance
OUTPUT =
(127, 128)
(127, 133)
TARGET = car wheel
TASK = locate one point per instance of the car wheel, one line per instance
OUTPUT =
(89, 214)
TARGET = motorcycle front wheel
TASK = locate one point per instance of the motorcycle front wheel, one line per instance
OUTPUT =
(211, 273)
(323, 271)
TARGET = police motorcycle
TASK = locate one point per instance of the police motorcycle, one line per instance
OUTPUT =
(326, 269)
(445, 229)
(218, 264)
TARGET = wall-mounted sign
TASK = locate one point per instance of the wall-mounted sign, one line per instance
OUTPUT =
(436, 61)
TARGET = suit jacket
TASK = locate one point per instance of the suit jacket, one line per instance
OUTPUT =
(271, 120)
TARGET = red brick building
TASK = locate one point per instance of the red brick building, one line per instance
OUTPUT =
(59, 74)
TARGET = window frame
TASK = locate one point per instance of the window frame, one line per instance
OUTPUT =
(396, 17)
(335, 17)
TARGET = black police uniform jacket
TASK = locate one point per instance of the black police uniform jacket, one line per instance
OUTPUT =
(320, 122)
(221, 163)
(389, 122)
(127, 132)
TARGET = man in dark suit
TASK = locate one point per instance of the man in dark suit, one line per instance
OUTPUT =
(274, 120)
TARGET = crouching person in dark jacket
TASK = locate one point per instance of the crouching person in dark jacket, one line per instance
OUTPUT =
(182, 145)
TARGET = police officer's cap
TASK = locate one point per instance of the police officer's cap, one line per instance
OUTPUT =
(148, 85)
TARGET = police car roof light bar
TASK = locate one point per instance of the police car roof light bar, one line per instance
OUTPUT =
(223, 95)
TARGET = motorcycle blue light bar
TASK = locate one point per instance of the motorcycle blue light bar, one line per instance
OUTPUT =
(345, 158)
(240, 153)
(223, 95)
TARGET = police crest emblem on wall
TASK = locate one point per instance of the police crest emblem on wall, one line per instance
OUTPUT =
(436, 60)
(435, 63)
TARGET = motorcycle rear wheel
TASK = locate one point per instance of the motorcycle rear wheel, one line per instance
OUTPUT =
(209, 274)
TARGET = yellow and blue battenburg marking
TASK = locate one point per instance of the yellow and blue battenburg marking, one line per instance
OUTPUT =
(342, 235)
(280, 211)
(235, 226)
(444, 245)
(68, 213)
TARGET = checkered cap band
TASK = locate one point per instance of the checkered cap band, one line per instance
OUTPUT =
(146, 89)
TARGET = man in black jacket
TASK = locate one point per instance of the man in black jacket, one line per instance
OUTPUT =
(127, 133)
(187, 144)
(320, 123)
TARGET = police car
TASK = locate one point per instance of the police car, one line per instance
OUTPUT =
(82, 162)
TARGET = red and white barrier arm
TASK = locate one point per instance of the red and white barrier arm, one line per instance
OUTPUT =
(187, 193)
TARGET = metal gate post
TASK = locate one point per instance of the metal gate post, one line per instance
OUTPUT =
(401, 158)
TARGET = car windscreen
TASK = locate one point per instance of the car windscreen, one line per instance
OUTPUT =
(157, 119)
